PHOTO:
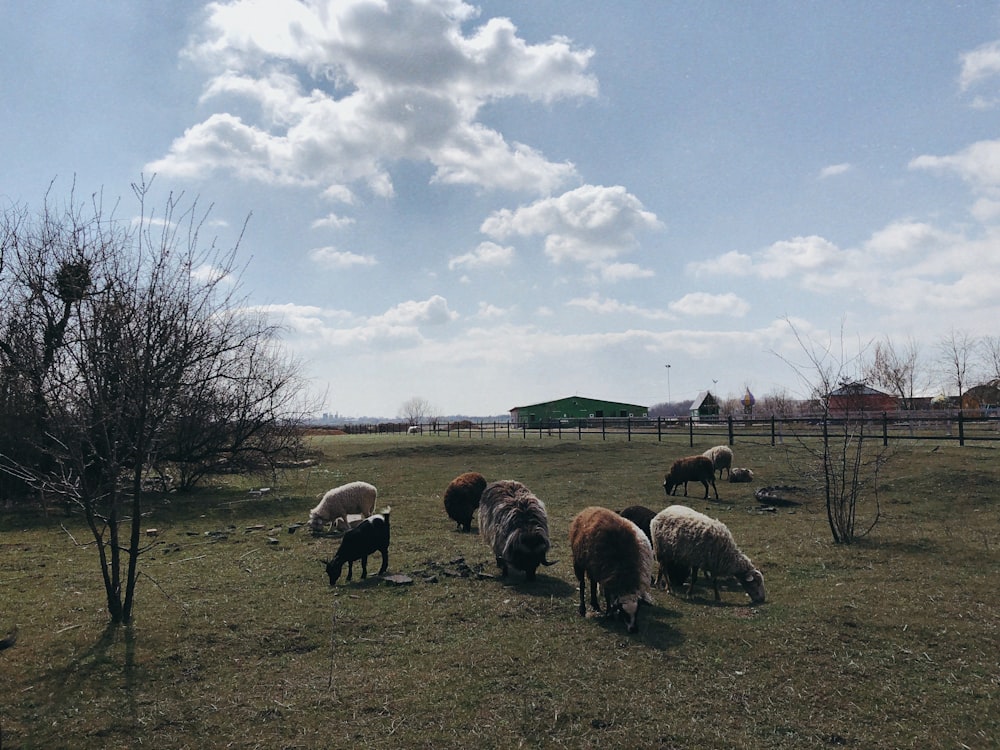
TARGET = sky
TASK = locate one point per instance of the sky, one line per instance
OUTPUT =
(491, 204)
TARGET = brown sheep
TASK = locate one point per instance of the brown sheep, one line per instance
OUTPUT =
(461, 498)
(513, 522)
(690, 469)
(616, 554)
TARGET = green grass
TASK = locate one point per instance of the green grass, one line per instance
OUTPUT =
(238, 642)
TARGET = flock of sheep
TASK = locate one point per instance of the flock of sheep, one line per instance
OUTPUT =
(616, 551)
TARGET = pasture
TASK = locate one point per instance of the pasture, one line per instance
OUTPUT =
(239, 641)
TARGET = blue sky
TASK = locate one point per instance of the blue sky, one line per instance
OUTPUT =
(491, 204)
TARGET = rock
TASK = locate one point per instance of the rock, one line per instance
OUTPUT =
(398, 579)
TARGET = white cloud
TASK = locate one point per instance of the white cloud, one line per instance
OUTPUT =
(833, 170)
(332, 221)
(331, 257)
(592, 225)
(432, 312)
(703, 303)
(978, 164)
(613, 272)
(486, 255)
(607, 306)
(209, 274)
(979, 64)
(339, 194)
(788, 257)
(340, 90)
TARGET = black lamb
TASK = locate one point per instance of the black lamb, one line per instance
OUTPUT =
(368, 537)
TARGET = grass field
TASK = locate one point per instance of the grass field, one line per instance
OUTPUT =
(240, 642)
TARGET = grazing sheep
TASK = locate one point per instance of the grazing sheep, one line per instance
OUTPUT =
(616, 554)
(741, 475)
(461, 498)
(722, 458)
(368, 537)
(641, 516)
(513, 522)
(686, 537)
(355, 497)
(690, 469)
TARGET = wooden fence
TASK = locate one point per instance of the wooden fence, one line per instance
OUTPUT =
(952, 427)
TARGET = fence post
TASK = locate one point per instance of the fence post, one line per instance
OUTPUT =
(772, 430)
(731, 438)
(604, 434)
(579, 428)
(961, 427)
(629, 429)
(885, 429)
(691, 432)
(659, 429)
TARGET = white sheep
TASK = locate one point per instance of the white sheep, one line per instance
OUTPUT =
(685, 537)
(354, 497)
(738, 474)
(722, 458)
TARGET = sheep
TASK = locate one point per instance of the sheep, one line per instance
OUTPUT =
(412, 430)
(461, 498)
(368, 537)
(722, 458)
(641, 516)
(690, 469)
(613, 552)
(354, 497)
(513, 522)
(686, 537)
(741, 475)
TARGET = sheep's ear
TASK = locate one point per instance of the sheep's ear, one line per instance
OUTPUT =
(750, 577)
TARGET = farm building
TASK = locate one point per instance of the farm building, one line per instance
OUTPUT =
(705, 406)
(574, 408)
(858, 398)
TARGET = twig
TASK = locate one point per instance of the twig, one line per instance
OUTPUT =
(182, 605)
(68, 627)
(187, 559)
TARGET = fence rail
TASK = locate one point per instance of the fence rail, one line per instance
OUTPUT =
(951, 427)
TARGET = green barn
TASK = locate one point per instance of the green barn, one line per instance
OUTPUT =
(574, 408)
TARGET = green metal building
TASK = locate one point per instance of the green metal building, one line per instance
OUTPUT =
(574, 408)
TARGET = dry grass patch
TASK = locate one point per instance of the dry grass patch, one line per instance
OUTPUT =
(240, 642)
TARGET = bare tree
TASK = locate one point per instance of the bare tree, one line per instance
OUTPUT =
(896, 369)
(991, 358)
(849, 464)
(956, 354)
(415, 410)
(115, 334)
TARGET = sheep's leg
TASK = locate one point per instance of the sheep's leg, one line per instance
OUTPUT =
(715, 585)
(583, 607)
(686, 490)
(350, 569)
(385, 560)
(593, 595)
(694, 577)
(503, 567)
(364, 567)
(712, 480)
